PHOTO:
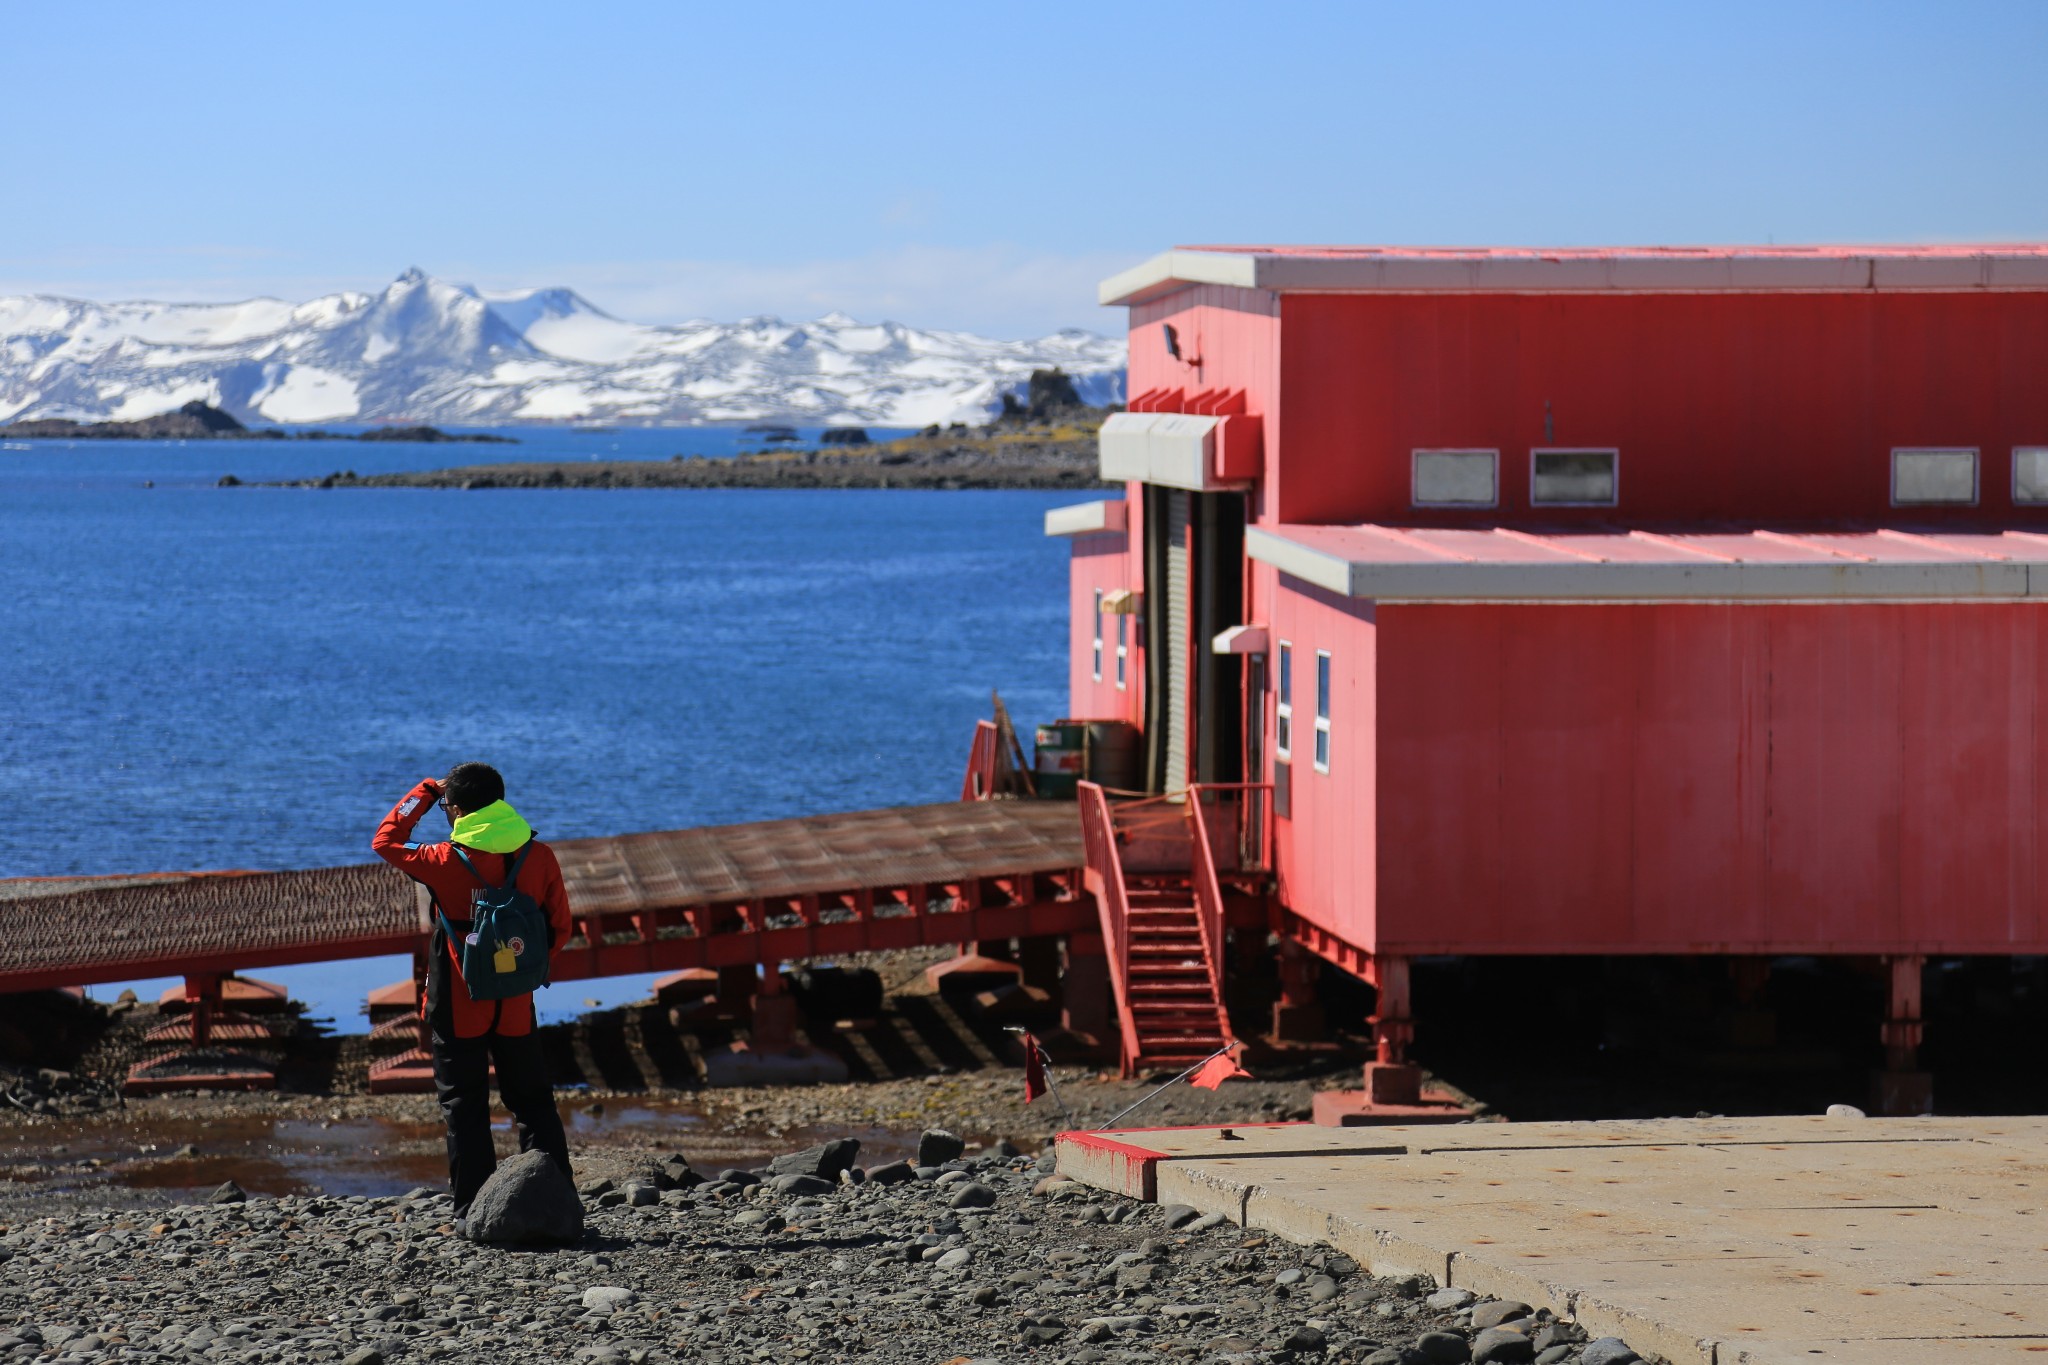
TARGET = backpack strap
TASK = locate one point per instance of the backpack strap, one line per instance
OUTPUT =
(512, 866)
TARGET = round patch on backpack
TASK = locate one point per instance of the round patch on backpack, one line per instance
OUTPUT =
(517, 945)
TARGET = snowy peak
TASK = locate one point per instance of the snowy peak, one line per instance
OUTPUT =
(427, 349)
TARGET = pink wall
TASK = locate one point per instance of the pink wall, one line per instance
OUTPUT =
(1326, 850)
(1758, 778)
(1722, 405)
(1103, 562)
(1234, 333)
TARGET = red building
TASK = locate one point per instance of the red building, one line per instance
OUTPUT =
(1588, 602)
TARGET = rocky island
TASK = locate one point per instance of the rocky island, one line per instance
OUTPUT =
(1045, 439)
(197, 421)
(1055, 457)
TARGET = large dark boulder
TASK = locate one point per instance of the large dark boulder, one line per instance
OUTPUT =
(936, 1147)
(825, 1161)
(528, 1201)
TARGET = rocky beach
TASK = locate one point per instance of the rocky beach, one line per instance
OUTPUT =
(945, 1255)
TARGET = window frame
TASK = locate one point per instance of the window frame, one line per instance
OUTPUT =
(1976, 455)
(1283, 704)
(1615, 451)
(2018, 451)
(1098, 635)
(1415, 476)
(1326, 688)
(1123, 650)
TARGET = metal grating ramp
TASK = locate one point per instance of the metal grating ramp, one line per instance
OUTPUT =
(81, 931)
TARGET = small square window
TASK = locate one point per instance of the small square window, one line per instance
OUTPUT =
(1934, 477)
(2030, 475)
(1456, 478)
(1574, 478)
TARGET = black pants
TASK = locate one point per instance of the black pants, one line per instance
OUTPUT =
(462, 1078)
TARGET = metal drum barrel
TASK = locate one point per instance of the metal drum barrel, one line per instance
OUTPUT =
(1104, 751)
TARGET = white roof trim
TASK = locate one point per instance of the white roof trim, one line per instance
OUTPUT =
(1087, 518)
(1176, 268)
(1763, 270)
(1171, 449)
(1590, 581)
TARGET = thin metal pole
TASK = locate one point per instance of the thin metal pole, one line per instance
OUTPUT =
(1175, 1081)
(1045, 1061)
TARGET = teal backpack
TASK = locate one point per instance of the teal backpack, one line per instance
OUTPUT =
(505, 952)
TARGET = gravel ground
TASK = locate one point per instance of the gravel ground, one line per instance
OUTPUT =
(984, 1258)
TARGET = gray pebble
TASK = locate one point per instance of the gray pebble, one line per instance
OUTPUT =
(1308, 1339)
(1502, 1346)
(972, 1195)
(1607, 1351)
(1443, 1348)
(1494, 1312)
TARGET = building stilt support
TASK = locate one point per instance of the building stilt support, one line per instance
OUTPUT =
(1297, 1014)
(1393, 1091)
(1902, 1088)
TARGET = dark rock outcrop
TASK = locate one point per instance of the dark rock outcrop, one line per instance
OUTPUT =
(527, 1202)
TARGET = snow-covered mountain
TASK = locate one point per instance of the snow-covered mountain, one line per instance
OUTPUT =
(427, 350)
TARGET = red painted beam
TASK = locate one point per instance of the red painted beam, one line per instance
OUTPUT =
(217, 962)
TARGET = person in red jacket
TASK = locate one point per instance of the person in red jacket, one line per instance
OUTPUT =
(470, 1036)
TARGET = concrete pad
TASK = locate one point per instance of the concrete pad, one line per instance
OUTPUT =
(1717, 1241)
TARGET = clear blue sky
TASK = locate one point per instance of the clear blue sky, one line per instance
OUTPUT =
(974, 165)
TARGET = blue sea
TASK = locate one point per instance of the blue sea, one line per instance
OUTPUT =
(205, 677)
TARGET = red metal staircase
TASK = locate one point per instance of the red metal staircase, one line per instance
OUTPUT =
(1152, 868)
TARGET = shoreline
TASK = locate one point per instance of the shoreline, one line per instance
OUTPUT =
(1057, 459)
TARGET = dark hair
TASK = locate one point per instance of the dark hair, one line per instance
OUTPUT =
(472, 786)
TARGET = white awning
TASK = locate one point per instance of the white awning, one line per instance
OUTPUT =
(1108, 515)
(1508, 564)
(1172, 449)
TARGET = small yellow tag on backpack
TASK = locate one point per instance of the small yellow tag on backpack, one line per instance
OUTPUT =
(505, 960)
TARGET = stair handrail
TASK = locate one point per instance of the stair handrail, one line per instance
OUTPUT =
(1103, 873)
(1208, 903)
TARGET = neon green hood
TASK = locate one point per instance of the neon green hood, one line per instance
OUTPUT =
(496, 828)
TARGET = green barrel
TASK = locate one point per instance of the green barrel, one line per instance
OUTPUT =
(1061, 760)
(1110, 752)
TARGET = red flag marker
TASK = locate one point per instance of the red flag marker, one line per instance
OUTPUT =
(1216, 1071)
(1034, 1069)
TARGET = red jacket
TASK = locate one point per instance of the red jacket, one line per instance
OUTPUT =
(448, 1005)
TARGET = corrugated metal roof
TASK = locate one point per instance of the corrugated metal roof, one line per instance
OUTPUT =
(1636, 563)
(1613, 269)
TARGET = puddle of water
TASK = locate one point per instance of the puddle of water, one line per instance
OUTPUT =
(375, 1156)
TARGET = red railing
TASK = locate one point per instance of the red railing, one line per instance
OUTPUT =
(1208, 902)
(1103, 874)
(980, 782)
(1241, 842)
